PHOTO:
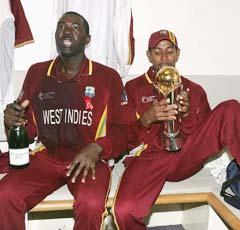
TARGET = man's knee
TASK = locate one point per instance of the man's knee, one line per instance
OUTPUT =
(88, 206)
(9, 200)
(228, 108)
(231, 105)
(123, 209)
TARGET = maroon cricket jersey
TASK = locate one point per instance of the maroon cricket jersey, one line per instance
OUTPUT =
(69, 114)
(141, 94)
(23, 34)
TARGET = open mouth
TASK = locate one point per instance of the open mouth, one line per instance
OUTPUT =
(67, 43)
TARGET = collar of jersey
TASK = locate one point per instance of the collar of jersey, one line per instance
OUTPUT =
(150, 77)
(85, 70)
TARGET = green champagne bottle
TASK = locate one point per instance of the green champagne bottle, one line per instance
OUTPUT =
(18, 147)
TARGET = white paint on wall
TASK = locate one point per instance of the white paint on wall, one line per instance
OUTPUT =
(207, 31)
(39, 16)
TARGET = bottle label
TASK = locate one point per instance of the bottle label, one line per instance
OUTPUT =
(19, 157)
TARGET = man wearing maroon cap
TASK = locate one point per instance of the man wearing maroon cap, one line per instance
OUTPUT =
(158, 36)
(204, 133)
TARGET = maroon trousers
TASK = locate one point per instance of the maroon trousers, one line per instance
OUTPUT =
(145, 175)
(22, 189)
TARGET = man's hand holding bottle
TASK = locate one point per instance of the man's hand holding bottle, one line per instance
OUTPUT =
(14, 114)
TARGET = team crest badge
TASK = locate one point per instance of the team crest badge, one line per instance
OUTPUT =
(89, 94)
(163, 32)
(90, 91)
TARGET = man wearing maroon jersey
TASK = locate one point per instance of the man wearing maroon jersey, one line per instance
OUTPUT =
(68, 103)
(204, 133)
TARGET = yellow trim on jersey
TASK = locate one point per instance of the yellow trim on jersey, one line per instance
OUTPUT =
(137, 115)
(113, 206)
(148, 78)
(38, 149)
(101, 130)
(90, 67)
(50, 68)
(24, 43)
(138, 153)
(104, 214)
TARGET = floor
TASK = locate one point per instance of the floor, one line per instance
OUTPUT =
(169, 227)
(109, 225)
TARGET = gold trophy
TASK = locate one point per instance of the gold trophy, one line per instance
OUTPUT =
(168, 83)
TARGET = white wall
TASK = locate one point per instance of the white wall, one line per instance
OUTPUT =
(207, 30)
(39, 16)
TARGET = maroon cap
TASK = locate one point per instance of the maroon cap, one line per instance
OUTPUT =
(160, 35)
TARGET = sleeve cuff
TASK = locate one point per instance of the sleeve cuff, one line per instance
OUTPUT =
(139, 129)
(106, 147)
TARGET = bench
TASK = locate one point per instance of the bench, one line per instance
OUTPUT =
(199, 189)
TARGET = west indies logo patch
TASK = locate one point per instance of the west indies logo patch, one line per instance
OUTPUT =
(89, 94)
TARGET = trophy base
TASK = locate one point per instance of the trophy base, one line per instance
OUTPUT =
(172, 144)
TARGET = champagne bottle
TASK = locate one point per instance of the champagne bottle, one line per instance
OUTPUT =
(18, 147)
